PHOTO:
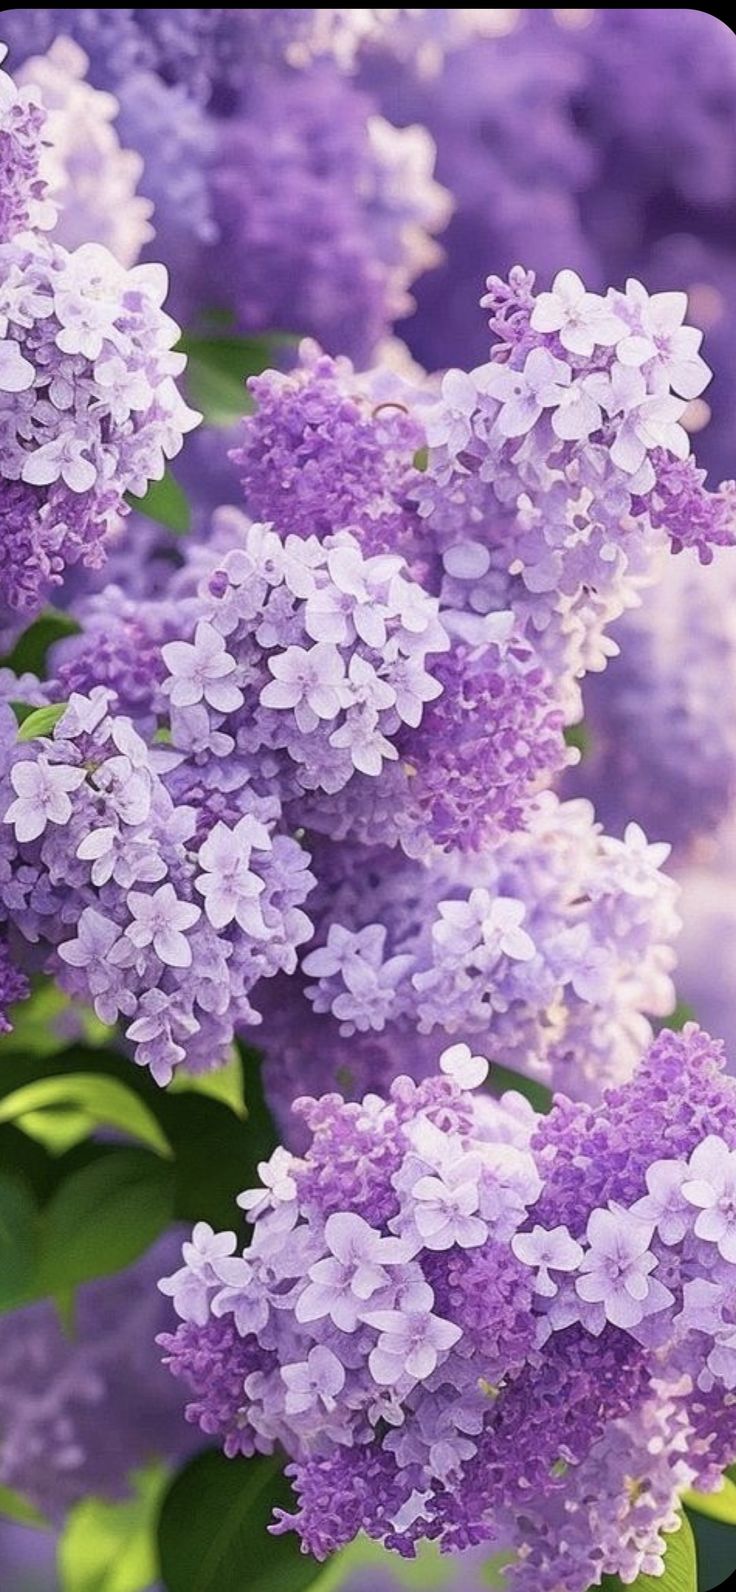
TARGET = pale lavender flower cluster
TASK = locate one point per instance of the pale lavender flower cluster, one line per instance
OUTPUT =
(24, 200)
(567, 456)
(660, 745)
(310, 186)
(90, 407)
(465, 1322)
(552, 950)
(79, 1411)
(91, 180)
(158, 906)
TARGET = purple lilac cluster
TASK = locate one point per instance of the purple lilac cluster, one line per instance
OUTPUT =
(24, 200)
(346, 695)
(264, 163)
(552, 950)
(659, 745)
(310, 186)
(549, 479)
(160, 903)
(90, 409)
(440, 1272)
(90, 179)
(78, 1412)
(591, 138)
(563, 450)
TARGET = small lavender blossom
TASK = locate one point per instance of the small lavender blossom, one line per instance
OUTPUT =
(711, 1188)
(615, 1269)
(42, 797)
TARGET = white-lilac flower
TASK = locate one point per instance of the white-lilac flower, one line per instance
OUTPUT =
(159, 920)
(42, 796)
(615, 1270)
(547, 1252)
(200, 671)
(710, 1187)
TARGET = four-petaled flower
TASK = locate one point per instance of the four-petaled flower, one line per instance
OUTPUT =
(159, 920)
(615, 1270)
(342, 1284)
(525, 394)
(314, 1382)
(42, 796)
(711, 1187)
(228, 884)
(409, 1345)
(547, 1250)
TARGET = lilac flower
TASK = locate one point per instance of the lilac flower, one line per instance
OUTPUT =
(657, 338)
(582, 320)
(316, 1381)
(191, 1287)
(200, 670)
(524, 394)
(466, 1070)
(446, 1212)
(158, 920)
(408, 1345)
(42, 796)
(615, 1270)
(96, 935)
(665, 1203)
(341, 1285)
(230, 888)
(277, 1185)
(310, 680)
(711, 1187)
(546, 1252)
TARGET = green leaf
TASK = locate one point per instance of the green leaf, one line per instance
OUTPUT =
(719, 1505)
(225, 1085)
(39, 1022)
(578, 736)
(111, 1547)
(166, 503)
(680, 1567)
(29, 654)
(102, 1217)
(42, 721)
(98, 1101)
(13, 1506)
(218, 368)
(681, 1015)
(213, 1530)
(18, 1240)
(502, 1078)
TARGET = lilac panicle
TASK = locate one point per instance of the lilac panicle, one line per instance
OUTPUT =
(439, 1272)
(79, 1412)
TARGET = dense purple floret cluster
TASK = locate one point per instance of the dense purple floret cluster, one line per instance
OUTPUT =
(79, 1411)
(440, 1272)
